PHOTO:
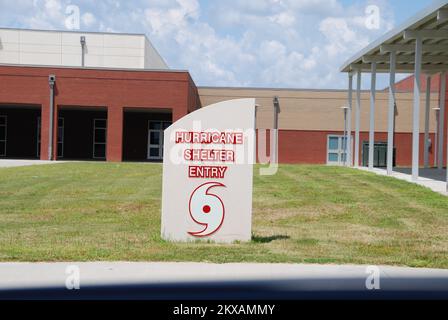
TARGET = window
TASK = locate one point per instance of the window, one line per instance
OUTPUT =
(38, 137)
(155, 139)
(60, 137)
(3, 125)
(99, 138)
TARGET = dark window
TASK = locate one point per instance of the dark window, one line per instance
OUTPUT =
(100, 151)
(2, 135)
(60, 137)
(155, 125)
(99, 138)
(154, 152)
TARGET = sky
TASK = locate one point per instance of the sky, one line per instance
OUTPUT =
(251, 43)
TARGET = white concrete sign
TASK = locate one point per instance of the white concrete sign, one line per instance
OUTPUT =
(207, 174)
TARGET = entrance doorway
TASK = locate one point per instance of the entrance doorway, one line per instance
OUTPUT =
(143, 133)
(336, 153)
(379, 154)
(19, 131)
(155, 138)
(82, 133)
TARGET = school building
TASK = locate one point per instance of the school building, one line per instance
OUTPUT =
(102, 96)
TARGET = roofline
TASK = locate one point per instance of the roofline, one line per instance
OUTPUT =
(436, 5)
(73, 31)
(277, 89)
(93, 68)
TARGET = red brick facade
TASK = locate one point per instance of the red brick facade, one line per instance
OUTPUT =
(87, 88)
(310, 147)
(407, 84)
(117, 90)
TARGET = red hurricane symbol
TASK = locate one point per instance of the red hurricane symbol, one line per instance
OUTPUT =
(206, 209)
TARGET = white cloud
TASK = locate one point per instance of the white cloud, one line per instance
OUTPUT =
(340, 36)
(48, 14)
(88, 19)
(284, 19)
(318, 7)
(164, 21)
(293, 43)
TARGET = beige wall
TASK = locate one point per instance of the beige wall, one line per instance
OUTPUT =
(320, 110)
(63, 48)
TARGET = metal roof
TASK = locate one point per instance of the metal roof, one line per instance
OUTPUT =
(431, 24)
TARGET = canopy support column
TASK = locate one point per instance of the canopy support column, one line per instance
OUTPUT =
(427, 113)
(372, 115)
(357, 116)
(436, 138)
(416, 109)
(391, 114)
(441, 129)
(447, 165)
(348, 143)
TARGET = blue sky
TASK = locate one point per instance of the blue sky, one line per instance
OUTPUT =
(256, 43)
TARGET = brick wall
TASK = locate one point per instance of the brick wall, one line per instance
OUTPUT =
(113, 89)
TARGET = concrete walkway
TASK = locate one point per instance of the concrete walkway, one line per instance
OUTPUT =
(430, 173)
(7, 163)
(35, 275)
(430, 178)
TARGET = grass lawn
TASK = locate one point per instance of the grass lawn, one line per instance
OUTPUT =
(309, 214)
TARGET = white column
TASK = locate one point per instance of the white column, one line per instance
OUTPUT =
(436, 140)
(441, 119)
(344, 140)
(391, 114)
(427, 113)
(348, 145)
(274, 147)
(372, 115)
(447, 165)
(416, 109)
(357, 116)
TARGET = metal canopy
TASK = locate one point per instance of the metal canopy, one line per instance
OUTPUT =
(430, 25)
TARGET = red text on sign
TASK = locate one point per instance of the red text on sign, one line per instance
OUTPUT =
(209, 155)
(206, 172)
(209, 137)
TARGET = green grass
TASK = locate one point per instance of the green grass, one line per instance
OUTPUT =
(310, 214)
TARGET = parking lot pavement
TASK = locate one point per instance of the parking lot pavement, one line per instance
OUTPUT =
(7, 163)
(19, 275)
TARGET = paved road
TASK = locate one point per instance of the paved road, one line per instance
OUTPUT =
(18, 275)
